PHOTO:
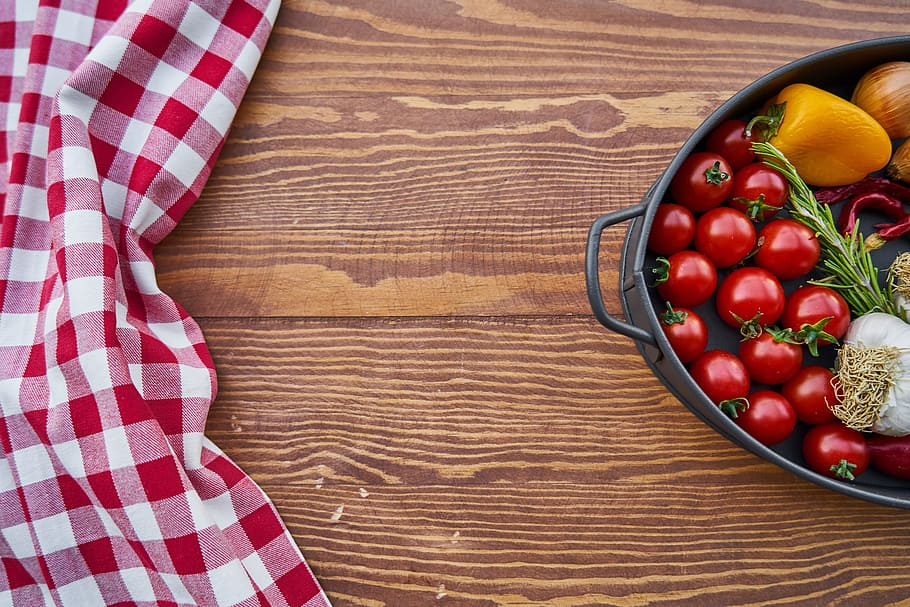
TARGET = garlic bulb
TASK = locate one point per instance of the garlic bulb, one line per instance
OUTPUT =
(873, 375)
(884, 92)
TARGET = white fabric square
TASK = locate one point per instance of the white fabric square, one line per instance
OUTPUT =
(136, 377)
(58, 391)
(199, 26)
(219, 112)
(7, 482)
(95, 364)
(119, 454)
(84, 225)
(230, 581)
(192, 450)
(195, 381)
(165, 80)
(144, 275)
(113, 195)
(257, 571)
(147, 213)
(185, 164)
(54, 77)
(136, 136)
(9, 396)
(33, 464)
(12, 117)
(248, 59)
(18, 329)
(70, 454)
(171, 333)
(54, 533)
(137, 581)
(109, 51)
(142, 518)
(26, 10)
(28, 266)
(34, 203)
(182, 596)
(74, 27)
(75, 103)
(79, 162)
(40, 135)
(220, 510)
(85, 294)
(83, 591)
(19, 539)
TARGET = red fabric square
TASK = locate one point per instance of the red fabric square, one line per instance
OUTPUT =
(74, 496)
(86, 419)
(131, 406)
(154, 35)
(144, 172)
(105, 490)
(6, 86)
(17, 575)
(110, 10)
(176, 118)
(7, 34)
(242, 18)
(211, 69)
(160, 478)
(37, 419)
(28, 110)
(227, 470)
(261, 526)
(40, 49)
(67, 346)
(122, 94)
(186, 554)
(104, 154)
(297, 582)
(99, 556)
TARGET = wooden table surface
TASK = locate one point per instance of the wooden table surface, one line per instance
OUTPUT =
(388, 266)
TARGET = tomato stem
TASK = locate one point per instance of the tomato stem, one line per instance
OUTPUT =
(715, 176)
(732, 406)
(811, 334)
(662, 271)
(844, 470)
(673, 317)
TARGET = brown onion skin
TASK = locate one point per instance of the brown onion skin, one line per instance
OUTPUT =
(890, 454)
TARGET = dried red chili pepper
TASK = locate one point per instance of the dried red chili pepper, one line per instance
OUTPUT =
(872, 183)
(886, 232)
(869, 201)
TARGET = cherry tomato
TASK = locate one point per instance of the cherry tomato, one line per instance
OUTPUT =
(759, 191)
(723, 378)
(703, 181)
(725, 235)
(836, 451)
(769, 359)
(769, 418)
(672, 229)
(729, 140)
(787, 249)
(750, 295)
(686, 279)
(811, 393)
(686, 331)
(806, 310)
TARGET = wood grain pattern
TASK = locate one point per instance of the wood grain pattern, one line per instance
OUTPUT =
(387, 263)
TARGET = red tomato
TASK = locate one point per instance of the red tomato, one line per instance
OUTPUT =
(759, 191)
(808, 306)
(672, 229)
(686, 279)
(787, 249)
(769, 360)
(725, 235)
(722, 377)
(835, 450)
(686, 331)
(812, 394)
(729, 140)
(702, 182)
(750, 295)
(769, 418)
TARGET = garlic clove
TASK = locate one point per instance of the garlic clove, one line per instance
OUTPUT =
(884, 92)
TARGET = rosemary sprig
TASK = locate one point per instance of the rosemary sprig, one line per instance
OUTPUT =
(845, 262)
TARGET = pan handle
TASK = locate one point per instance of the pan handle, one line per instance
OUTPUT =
(592, 275)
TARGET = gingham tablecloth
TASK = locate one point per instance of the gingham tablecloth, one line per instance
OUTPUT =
(110, 494)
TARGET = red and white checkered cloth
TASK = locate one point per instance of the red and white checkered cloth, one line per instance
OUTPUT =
(111, 117)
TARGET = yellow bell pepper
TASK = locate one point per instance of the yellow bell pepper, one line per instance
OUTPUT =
(828, 139)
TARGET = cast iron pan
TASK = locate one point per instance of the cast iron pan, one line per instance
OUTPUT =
(836, 70)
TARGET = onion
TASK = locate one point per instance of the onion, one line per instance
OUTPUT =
(884, 92)
(899, 166)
